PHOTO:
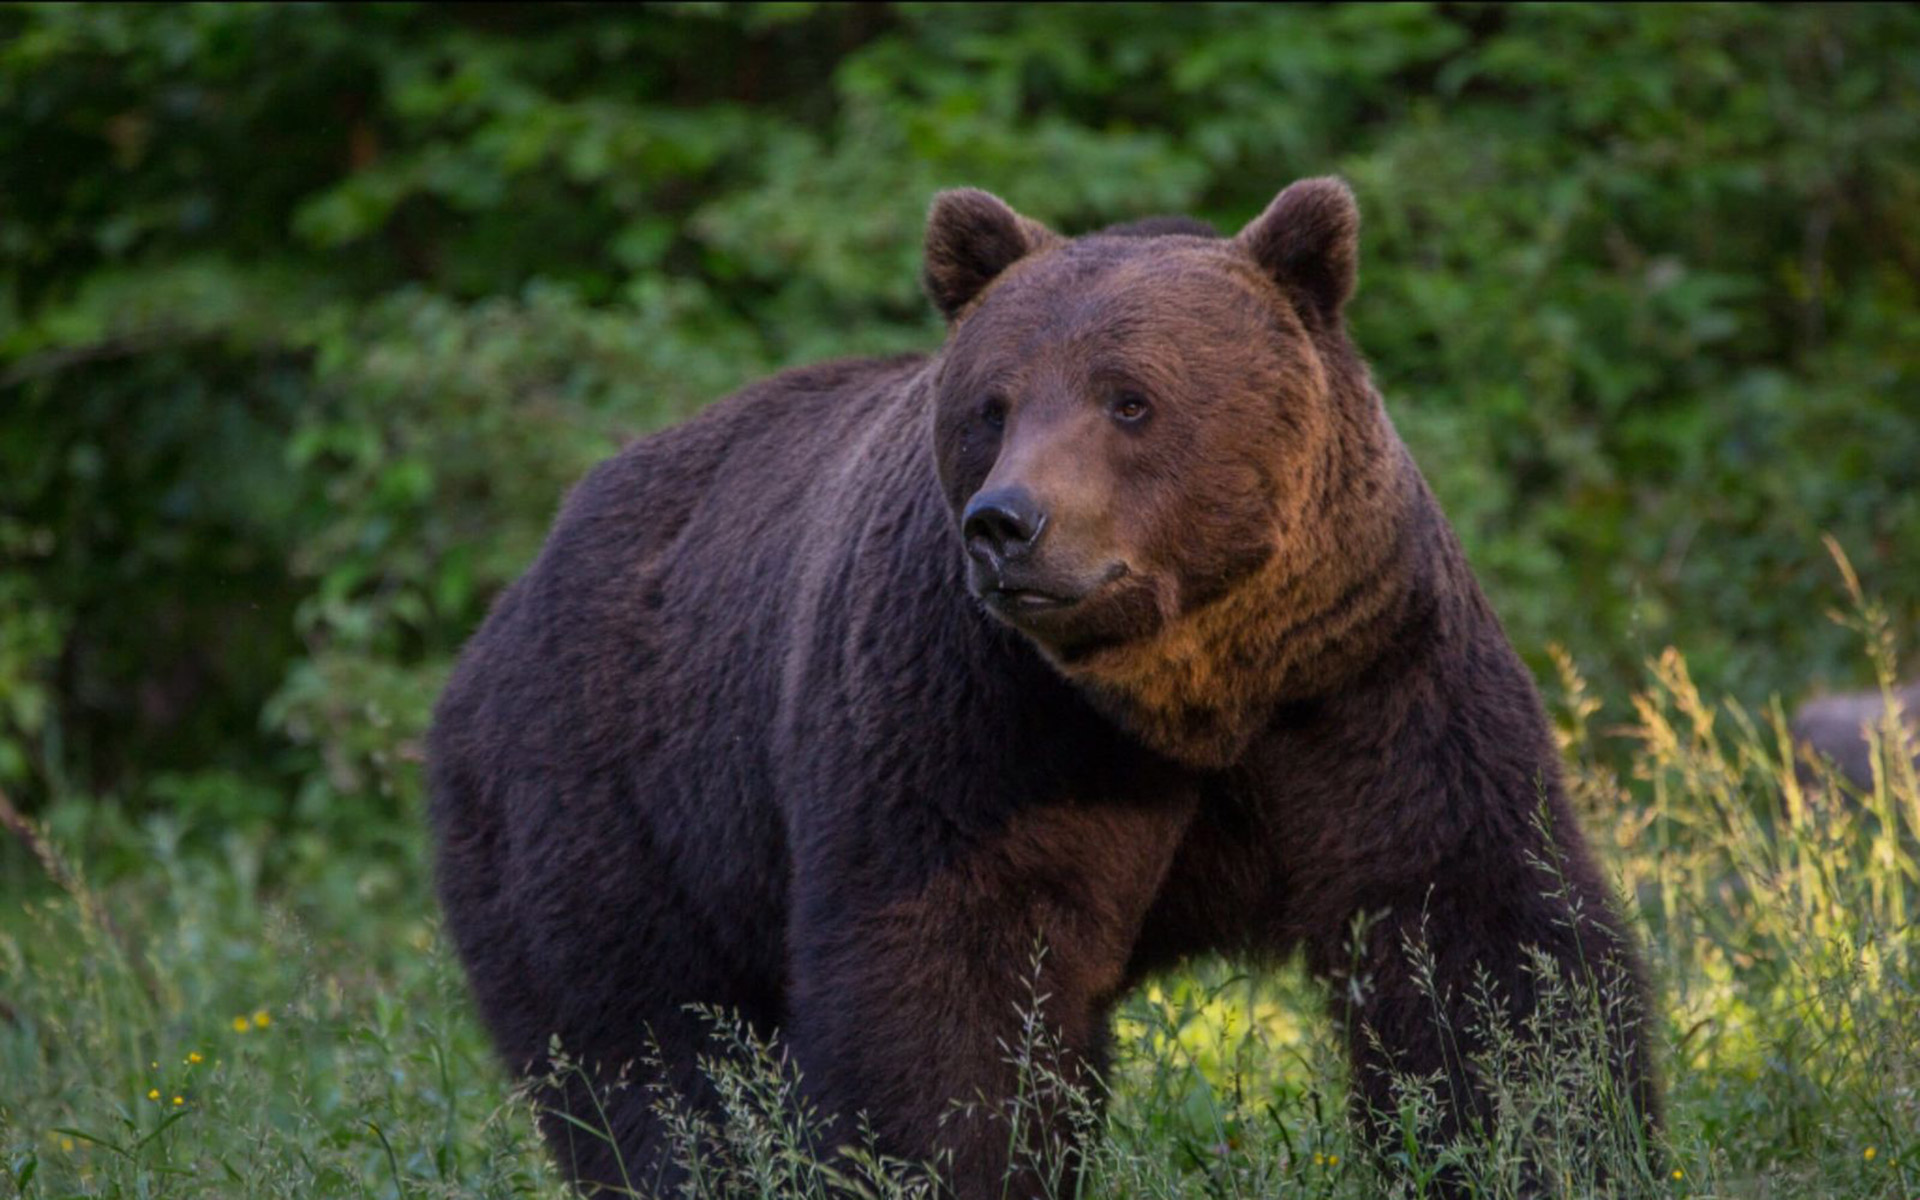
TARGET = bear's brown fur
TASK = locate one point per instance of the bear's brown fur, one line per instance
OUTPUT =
(1836, 727)
(1124, 624)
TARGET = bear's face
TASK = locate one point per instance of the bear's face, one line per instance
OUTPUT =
(1130, 426)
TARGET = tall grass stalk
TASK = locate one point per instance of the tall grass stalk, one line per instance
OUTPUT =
(288, 1045)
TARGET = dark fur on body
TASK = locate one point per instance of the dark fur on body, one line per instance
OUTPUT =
(1836, 727)
(745, 737)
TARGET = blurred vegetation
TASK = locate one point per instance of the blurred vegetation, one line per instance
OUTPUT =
(213, 1043)
(308, 315)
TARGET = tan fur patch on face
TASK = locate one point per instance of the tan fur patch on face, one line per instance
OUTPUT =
(1201, 687)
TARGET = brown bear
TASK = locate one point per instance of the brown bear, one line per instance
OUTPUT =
(1124, 625)
(1836, 727)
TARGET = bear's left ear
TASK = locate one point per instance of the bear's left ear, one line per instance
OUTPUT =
(972, 236)
(1308, 242)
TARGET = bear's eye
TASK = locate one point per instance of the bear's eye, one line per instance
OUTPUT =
(993, 412)
(1130, 408)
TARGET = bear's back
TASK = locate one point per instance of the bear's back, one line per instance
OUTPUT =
(662, 561)
(616, 705)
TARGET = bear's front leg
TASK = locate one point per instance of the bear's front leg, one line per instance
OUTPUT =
(1502, 984)
(911, 998)
(1481, 989)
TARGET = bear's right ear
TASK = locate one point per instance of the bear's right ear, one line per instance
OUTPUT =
(972, 236)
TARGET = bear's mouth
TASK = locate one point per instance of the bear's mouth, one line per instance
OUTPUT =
(1021, 595)
(1022, 601)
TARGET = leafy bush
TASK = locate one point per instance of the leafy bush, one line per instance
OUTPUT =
(308, 315)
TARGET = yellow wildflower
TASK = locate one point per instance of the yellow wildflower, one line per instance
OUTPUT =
(240, 1025)
(1333, 1160)
(179, 1100)
(66, 1143)
(153, 1093)
(194, 1059)
(1679, 1174)
(1868, 1153)
(261, 1019)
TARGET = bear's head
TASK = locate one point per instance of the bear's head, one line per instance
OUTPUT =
(1166, 464)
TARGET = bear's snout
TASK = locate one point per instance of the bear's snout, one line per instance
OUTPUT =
(1002, 527)
(1001, 524)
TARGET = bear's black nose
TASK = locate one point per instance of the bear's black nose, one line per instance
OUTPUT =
(1003, 523)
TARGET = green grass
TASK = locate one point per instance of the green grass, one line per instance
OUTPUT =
(222, 1015)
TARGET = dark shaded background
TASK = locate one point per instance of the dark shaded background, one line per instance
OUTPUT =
(308, 316)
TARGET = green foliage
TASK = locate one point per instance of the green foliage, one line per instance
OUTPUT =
(321, 1044)
(310, 314)
(280, 1053)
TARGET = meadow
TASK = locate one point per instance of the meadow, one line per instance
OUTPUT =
(192, 1031)
(309, 315)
